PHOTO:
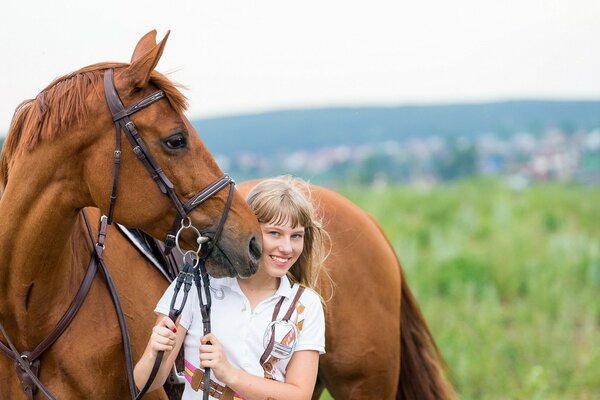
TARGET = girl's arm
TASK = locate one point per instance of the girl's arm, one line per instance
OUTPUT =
(301, 374)
(165, 339)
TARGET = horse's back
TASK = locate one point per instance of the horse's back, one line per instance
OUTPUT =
(363, 328)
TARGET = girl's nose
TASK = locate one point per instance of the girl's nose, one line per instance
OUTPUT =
(285, 245)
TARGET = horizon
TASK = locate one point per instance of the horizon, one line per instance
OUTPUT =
(242, 57)
(374, 105)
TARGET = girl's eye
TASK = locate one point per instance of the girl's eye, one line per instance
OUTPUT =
(273, 233)
(176, 142)
(297, 236)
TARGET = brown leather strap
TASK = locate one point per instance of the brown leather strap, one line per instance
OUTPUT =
(27, 383)
(25, 377)
(290, 310)
(24, 368)
(67, 317)
(70, 313)
(216, 390)
(286, 317)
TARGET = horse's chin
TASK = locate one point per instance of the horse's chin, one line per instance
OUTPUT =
(218, 265)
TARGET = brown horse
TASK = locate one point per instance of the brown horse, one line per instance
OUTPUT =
(377, 341)
(58, 159)
(378, 344)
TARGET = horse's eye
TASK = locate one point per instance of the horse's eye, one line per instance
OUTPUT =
(176, 142)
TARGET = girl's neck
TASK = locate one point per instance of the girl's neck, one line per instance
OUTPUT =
(258, 287)
(259, 281)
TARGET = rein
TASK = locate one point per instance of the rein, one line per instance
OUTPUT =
(27, 363)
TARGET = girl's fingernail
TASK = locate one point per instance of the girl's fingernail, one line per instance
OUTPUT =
(174, 330)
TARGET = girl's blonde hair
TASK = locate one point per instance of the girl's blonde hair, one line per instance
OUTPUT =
(286, 199)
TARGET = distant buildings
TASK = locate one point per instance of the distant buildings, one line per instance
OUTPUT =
(521, 158)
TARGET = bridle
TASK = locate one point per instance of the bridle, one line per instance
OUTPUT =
(122, 122)
(27, 366)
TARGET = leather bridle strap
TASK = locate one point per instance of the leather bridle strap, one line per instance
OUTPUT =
(197, 200)
(32, 357)
(120, 117)
(98, 249)
(24, 365)
(66, 318)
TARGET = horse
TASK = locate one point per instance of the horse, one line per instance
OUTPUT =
(378, 345)
(60, 157)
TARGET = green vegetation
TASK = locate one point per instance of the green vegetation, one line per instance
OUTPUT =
(509, 282)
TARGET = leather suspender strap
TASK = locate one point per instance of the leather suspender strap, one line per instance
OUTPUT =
(286, 317)
(290, 310)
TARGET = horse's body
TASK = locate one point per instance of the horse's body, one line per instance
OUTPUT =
(372, 319)
(377, 342)
(58, 159)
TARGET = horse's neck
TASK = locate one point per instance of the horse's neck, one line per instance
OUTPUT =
(38, 252)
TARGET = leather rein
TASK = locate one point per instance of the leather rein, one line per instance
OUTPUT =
(27, 363)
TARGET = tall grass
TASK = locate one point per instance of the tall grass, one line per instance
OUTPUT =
(509, 282)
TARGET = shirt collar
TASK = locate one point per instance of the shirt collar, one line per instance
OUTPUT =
(284, 289)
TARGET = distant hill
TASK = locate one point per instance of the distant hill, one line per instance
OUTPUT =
(325, 127)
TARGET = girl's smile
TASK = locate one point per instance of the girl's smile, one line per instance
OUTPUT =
(282, 246)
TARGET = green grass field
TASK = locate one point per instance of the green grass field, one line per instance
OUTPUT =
(509, 282)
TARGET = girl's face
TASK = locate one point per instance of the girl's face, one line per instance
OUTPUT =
(282, 245)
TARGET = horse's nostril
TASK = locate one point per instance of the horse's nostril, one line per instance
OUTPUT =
(255, 250)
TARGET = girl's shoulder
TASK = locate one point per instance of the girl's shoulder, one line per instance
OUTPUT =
(308, 296)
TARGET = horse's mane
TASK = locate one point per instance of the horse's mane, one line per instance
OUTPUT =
(62, 105)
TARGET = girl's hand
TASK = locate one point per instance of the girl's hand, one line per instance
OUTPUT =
(163, 336)
(212, 355)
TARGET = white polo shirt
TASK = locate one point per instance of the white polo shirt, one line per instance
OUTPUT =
(242, 330)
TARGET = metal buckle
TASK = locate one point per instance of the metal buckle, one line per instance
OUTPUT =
(130, 126)
(285, 336)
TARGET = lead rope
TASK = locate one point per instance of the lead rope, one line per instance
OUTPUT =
(183, 279)
(202, 281)
(194, 270)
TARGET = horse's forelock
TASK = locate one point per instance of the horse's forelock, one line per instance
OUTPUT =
(61, 105)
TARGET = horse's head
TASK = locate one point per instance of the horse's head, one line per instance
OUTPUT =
(172, 144)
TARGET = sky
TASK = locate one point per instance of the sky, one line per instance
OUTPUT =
(246, 56)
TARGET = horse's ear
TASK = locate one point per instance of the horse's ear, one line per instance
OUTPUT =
(145, 57)
(145, 44)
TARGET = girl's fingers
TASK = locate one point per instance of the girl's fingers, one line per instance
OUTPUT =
(170, 325)
(164, 331)
(162, 347)
(209, 338)
(208, 348)
(163, 340)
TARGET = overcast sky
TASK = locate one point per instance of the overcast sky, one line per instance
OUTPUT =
(240, 56)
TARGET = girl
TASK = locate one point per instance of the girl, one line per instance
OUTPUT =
(267, 330)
